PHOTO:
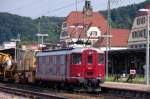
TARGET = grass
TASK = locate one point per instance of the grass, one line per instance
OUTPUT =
(139, 79)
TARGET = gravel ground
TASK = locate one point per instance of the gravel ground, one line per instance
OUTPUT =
(10, 96)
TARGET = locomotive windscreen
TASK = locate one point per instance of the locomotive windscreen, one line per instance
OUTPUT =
(76, 58)
(101, 58)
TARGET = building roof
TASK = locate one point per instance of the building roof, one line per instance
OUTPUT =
(76, 18)
(119, 38)
(142, 13)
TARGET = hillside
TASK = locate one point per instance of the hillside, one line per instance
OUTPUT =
(122, 17)
(11, 25)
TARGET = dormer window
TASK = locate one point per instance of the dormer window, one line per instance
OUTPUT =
(64, 34)
(64, 25)
(140, 20)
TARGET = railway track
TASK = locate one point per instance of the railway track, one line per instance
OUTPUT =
(29, 93)
(33, 91)
(47, 93)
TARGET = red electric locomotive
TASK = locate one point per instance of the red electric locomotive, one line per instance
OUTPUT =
(82, 67)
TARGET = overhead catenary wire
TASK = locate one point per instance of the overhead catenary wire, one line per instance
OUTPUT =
(25, 5)
(115, 1)
(60, 8)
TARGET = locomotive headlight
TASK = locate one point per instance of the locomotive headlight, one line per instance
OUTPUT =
(90, 52)
(99, 75)
(78, 74)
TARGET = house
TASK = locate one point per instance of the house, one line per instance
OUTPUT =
(90, 27)
(137, 38)
(86, 26)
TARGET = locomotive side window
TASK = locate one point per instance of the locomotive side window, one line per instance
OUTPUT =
(47, 60)
(40, 60)
(90, 59)
(76, 58)
(100, 59)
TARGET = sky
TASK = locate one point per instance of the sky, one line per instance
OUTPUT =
(60, 8)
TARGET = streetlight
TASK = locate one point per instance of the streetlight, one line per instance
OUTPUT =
(42, 36)
(108, 34)
(147, 45)
(16, 40)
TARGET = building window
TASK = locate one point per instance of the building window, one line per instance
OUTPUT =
(133, 34)
(139, 34)
(131, 46)
(64, 25)
(140, 21)
(144, 33)
(140, 46)
(64, 34)
(143, 20)
(136, 34)
(93, 33)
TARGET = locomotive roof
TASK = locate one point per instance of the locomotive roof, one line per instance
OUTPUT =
(76, 50)
(66, 51)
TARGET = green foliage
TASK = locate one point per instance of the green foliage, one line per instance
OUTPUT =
(12, 25)
(51, 26)
(123, 17)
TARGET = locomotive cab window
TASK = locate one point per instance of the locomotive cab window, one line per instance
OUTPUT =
(100, 58)
(90, 59)
(76, 58)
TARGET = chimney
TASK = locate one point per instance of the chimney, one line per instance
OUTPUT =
(87, 9)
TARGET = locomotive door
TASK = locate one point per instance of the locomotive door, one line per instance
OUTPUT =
(90, 63)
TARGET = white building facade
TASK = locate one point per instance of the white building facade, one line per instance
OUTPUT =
(138, 34)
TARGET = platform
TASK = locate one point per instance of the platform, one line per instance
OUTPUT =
(126, 86)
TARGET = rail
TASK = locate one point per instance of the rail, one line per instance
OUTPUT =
(29, 94)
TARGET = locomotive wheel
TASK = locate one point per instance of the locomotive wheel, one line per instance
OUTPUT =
(88, 84)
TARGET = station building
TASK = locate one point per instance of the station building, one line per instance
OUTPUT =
(90, 26)
(85, 25)
(121, 61)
